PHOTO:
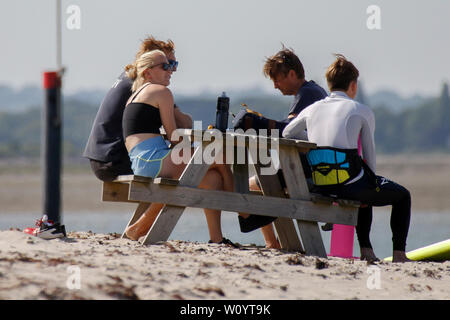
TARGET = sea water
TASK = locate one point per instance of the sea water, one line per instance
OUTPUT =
(426, 227)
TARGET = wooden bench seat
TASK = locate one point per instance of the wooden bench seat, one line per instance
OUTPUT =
(119, 185)
(142, 190)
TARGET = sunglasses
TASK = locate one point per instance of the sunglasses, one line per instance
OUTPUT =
(173, 63)
(165, 66)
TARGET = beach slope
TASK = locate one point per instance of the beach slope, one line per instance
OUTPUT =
(98, 266)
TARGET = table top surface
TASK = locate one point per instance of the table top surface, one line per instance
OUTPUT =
(201, 134)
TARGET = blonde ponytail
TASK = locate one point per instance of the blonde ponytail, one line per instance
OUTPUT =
(131, 71)
(135, 71)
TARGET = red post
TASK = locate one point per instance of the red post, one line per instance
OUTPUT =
(51, 145)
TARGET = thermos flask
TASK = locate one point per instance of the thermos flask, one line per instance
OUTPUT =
(223, 105)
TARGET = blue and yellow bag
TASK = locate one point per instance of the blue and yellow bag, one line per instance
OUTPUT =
(333, 166)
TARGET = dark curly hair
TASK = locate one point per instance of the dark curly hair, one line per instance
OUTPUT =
(282, 62)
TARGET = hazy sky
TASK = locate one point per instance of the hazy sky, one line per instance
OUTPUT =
(222, 44)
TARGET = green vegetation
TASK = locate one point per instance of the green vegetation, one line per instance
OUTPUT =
(423, 128)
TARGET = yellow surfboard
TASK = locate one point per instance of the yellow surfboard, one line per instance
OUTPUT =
(435, 252)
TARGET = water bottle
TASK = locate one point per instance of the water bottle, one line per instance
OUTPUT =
(223, 105)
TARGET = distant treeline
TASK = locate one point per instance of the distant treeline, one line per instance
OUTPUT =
(423, 128)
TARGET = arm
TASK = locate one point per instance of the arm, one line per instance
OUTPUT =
(182, 120)
(296, 129)
(164, 100)
(368, 140)
(292, 115)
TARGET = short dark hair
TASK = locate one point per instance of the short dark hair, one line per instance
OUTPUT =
(282, 62)
(341, 73)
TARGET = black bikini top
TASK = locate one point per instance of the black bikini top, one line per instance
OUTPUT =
(139, 117)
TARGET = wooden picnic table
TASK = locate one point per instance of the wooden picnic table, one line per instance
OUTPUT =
(294, 204)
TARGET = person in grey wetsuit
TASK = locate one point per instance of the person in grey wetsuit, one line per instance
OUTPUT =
(335, 125)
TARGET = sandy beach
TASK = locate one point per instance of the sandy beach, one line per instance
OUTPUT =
(108, 267)
(99, 266)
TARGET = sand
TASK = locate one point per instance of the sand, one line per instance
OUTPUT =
(114, 268)
(98, 266)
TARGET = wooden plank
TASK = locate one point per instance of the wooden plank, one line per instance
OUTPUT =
(124, 178)
(287, 235)
(240, 175)
(113, 191)
(270, 184)
(311, 238)
(318, 198)
(130, 177)
(298, 189)
(200, 134)
(193, 173)
(141, 208)
(293, 174)
(237, 202)
(171, 182)
(164, 224)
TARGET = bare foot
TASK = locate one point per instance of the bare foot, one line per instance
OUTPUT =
(400, 256)
(133, 232)
(367, 254)
(273, 245)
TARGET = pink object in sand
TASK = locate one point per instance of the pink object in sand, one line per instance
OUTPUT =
(342, 236)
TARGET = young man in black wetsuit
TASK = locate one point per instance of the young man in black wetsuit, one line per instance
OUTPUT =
(288, 75)
(105, 147)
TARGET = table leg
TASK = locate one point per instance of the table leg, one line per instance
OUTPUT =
(311, 238)
(240, 171)
(287, 235)
(298, 189)
(169, 215)
(164, 224)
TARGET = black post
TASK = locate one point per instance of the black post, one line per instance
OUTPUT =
(51, 146)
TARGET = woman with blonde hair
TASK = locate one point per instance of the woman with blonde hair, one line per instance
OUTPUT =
(105, 147)
(150, 107)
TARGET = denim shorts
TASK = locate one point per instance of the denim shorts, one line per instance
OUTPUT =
(147, 156)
